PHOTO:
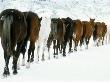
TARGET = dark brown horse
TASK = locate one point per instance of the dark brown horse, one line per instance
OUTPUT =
(68, 34)
(56, 34)
(13, 33)
(77, 33)
(87, 31)
(100, 30)
(33, 28)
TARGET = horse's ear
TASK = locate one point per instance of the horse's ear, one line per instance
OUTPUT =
(40, 19)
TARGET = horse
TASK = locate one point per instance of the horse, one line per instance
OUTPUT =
(68, 34)
(88, 27)
(100, 30)
(13, 34)
(56, 34)
(77, 33)
(33, 28)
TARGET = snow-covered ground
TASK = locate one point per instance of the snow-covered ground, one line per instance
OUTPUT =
(92, 65)
(82, 66)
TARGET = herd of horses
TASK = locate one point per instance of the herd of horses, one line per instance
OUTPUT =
(17, 28)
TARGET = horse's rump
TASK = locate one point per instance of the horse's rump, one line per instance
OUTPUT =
(14, 21)
(87, 29)
(78, 29)
(33, 25)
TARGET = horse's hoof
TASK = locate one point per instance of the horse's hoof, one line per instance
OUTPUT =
(75, 50)
(31, 60)
(60, 52)
(5, 74)
(15, 72)
(70, 51)
(54, 56)
(64, 55)
(42, 59)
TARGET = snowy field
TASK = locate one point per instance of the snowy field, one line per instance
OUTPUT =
(91, 65)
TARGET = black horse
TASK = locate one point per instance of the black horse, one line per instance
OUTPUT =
(13, 33)
(68, 34)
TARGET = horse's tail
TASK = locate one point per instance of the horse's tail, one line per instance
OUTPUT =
(94, 32)
(6, 33)
(24, 45)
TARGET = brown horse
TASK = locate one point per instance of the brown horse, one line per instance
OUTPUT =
(56, 34)
(33, 28)
(104, 31)
(13, 33)
(77, 33)
(100, 30)
(87, 31)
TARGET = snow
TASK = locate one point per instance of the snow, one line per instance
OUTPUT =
(91, 65)
(86, 65)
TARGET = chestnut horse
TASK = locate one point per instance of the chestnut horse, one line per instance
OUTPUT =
(88, 28)
(33, 28)
(77, 33)
(100, 30)
(13, 33)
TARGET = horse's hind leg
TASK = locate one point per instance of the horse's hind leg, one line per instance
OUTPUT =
(81, 42)
(102, 40)
(76, 44)
(23, 50)
(32, 48)
(64, 47)
(57, 47)
(54, 47)
(6, 69)
(70, 45)
(60, 47)
(87, 42)
(29, 53)
(49, 41)
(16, 56)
